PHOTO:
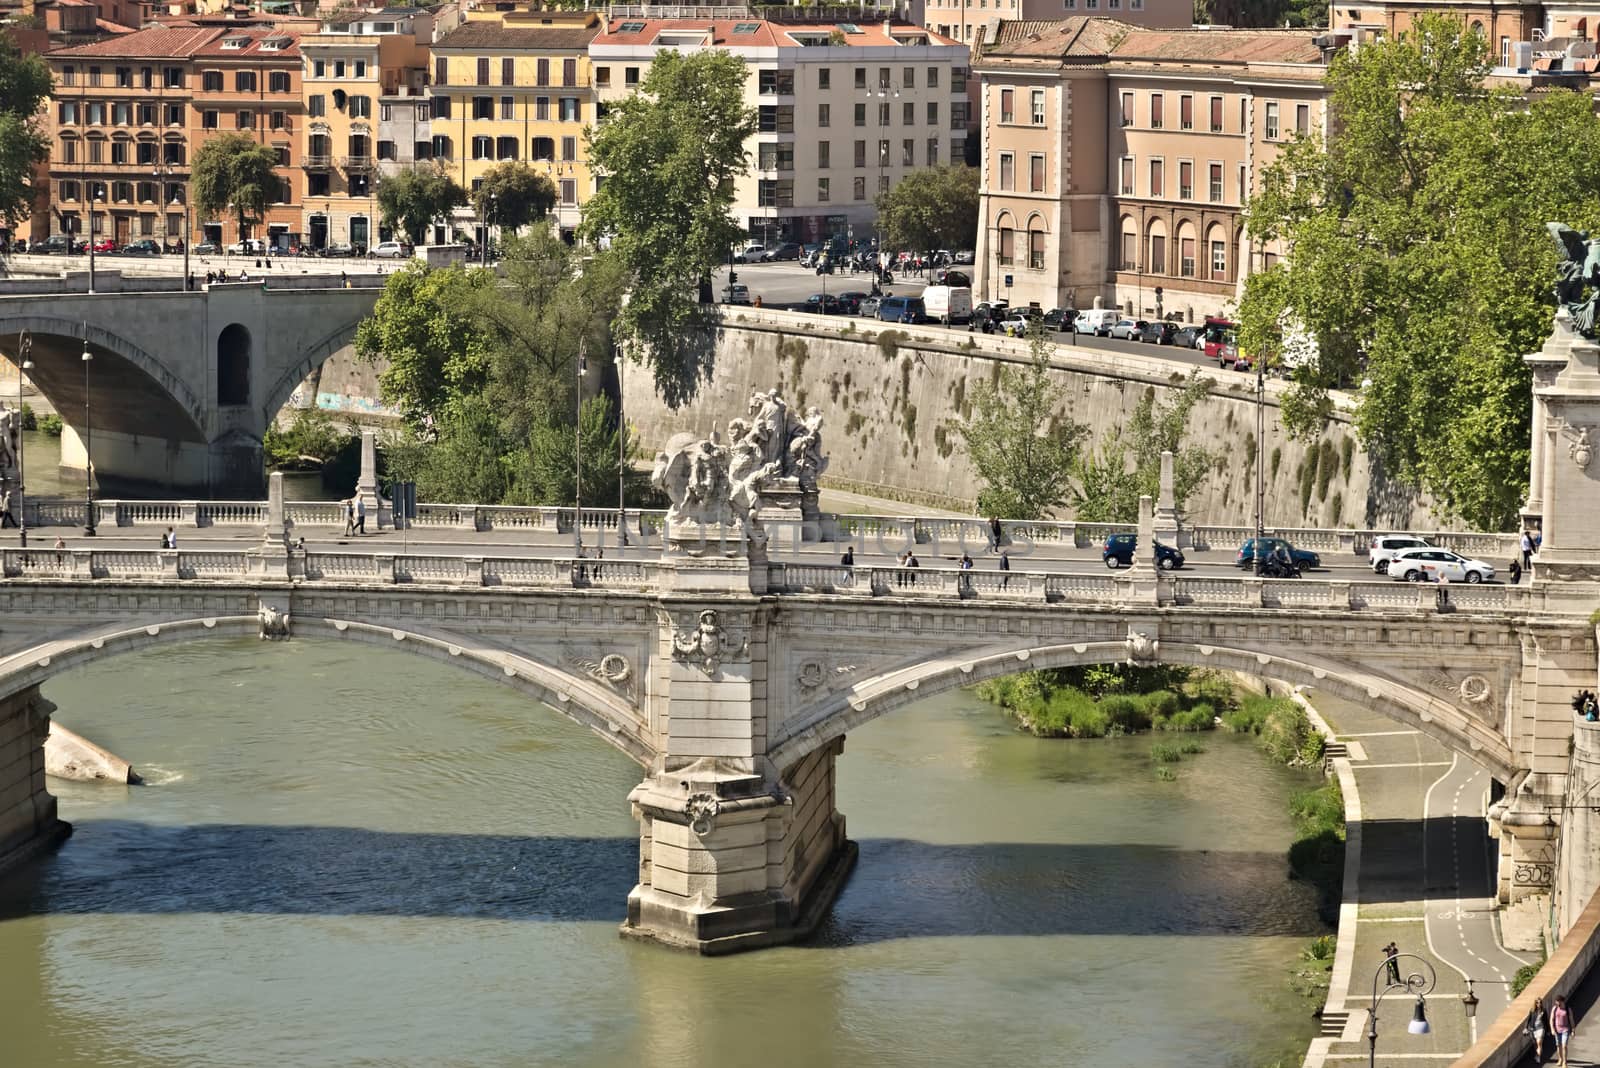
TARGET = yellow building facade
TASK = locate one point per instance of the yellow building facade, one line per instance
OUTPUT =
(516, 85)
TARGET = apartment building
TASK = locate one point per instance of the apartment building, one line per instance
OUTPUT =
(516, 85)
(351, 69)
(965, 20)
(846, 110)
(1118, 160)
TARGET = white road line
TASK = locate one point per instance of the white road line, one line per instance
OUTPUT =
(1375, 734)
(1415, 764)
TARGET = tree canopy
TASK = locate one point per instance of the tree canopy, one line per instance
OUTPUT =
(232, 171)
(931, 208)
(412, 199)
(513, 195)
(1126, 464)
(669, 155)
(1419, 258)
(24, 86)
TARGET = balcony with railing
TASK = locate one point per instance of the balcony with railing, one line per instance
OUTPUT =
(356, 164)
(319, 161)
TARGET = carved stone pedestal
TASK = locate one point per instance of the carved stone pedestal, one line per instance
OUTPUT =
(731, 862)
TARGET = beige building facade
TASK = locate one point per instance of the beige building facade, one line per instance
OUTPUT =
(1118, 161)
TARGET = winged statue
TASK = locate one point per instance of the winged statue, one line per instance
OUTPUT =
(1577, 275)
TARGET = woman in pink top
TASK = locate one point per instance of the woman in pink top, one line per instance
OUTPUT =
(1561, 1023)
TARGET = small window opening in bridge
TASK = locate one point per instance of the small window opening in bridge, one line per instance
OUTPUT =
(233, 366)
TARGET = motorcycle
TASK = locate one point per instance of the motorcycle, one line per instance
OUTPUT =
(1272, 567)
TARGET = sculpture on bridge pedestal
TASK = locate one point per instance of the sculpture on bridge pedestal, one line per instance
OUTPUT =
(10, 440)
(1577, 275)
(274, 623)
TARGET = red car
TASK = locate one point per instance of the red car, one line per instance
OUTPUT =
(105, 245)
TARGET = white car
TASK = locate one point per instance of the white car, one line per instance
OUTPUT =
(389, 250)
(751, 254)
(1384, 547)
(1432, 564)
(248, 247)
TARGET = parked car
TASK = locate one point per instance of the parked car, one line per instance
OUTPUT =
(1097, 321)
(106, 244)
(250, 246)
(825, 303)
(948, 304)
(1058, 319)
(1431, 564)
(388, 250)
(869, 307)
(902, 310)
(1304, 559)
(1190, 337)
(206, 248)
(986, 310)
(751, 254)
(1126, 329)
(1385, 546)
(850, 302)
(738, 293)
(142, 247)
(1020, 322)
(945, 276)
(1160, 331)
(58, 243)
(966, 256)
(342, 249)
(1120, 548)
(789, 250)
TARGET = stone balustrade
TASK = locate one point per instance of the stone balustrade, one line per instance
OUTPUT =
(946, 534)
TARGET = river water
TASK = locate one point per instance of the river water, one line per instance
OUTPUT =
(350, 856)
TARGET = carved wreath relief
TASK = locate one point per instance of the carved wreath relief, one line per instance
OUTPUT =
(612, 670)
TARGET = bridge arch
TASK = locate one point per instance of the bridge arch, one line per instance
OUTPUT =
(162, 397)
(584, 701)
(836, 714)
(314, 356)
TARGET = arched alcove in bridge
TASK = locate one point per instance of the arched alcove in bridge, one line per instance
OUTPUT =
(233, 366)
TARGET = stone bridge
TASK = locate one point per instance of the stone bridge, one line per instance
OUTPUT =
(182, 385)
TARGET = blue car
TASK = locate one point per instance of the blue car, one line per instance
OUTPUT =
(1120, 549)
(902, 310)
(1304, 559)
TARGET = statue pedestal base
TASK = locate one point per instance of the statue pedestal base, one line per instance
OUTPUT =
(786, 503)
(685, 571)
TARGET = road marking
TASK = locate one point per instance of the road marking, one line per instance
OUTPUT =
(1413, 764)
(1393, 919)
(1374, 734)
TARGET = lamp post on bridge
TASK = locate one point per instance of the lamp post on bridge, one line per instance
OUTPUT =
(1416, 983)
(88, 441)
(577, 443)
(24, 364)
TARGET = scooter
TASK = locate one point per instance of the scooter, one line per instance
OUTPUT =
(1275, 568)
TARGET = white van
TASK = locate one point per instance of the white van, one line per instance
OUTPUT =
(1097, 321)
(948, 304)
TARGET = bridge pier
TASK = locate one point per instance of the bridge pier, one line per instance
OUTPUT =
(28, 822)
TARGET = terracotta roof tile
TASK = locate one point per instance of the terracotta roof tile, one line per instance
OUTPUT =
(767, 34)
(1222, 46)
(1073, 38)
(492, 36)
(289, 48)
(154, 42)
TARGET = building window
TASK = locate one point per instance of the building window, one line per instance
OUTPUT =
(908, 152)
(822, 154)
(860, 188)
(861, 77)
(1186, 257)
(245, 120)
(483, 70)
(119, 152)
(1158, 185)
(482, 147)
(1158, 254)
(211, 81)
(1244, 185)
(174, 114)
(1185, 180)
(361, 107)
(483, 107)
(630, 76)
(1216, 114)
(279, 120)
(172, 77)
(933, 113)
(884, 118)
(69, 190)
(571, 110)
(244, 81)
(282, 152)
(1036, 107)
(317, 105)
(883, 184)
(505, 148)
(278, 81)
(541, 108)
(569, 148)
(933, 151)
(861, 153)
(823, 114)
(1008, 171)
(1005, 251)
(385, 150)
(958, 80)
(1302, 119)
(1156, 109)
(602, 77)
(908, 114)
(1272, 120)
(933, 77)
(1186, 112)
(1007, 105)
(1036, 249)
(1127, 109)
(1505, 51)
(1036, 173)
(1215, 176)
(69, 151)
(824, 78)
(1126, 184)
(569, 72)
(1219, 261)
(508, 107)
(441, 70)
(543, 148)
(1128, 254)
(861, 114)
(822, 190)
(441, 107)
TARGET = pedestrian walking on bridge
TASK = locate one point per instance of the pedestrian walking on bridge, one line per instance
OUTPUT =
(1562, 1023)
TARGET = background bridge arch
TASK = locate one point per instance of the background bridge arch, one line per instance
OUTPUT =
(315, 355)
(814, 725)
(584, 701)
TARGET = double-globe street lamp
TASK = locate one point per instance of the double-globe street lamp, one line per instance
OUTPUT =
(1416, 983)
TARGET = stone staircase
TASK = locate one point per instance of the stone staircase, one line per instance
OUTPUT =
(1332, 750)
(1333, 1024)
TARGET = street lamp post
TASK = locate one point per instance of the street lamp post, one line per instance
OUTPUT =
(92, 198)
(1416, 984)
(24, 364)
(1261, 475)
(88, 440)
(622, 459)
(577, 442)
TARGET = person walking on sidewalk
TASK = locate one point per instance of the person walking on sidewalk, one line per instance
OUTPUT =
(1561, 1025)
(1391, 958)
(348, 506)
(1535, 1028)
(361, 514)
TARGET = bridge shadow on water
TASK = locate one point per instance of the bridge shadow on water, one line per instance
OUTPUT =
(901, 888)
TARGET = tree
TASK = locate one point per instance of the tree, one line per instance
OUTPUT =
(412, 199)
(436, 350)
(933, 208)
(670, 154)
(1420, 261)
(552, 472)
(513, 195)
(1110, 479)
(233, 171)
(24, 87)
(1021, 448)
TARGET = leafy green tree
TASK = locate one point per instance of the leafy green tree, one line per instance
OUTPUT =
(424, 325)
(232, 171)
(932, 208)
(513, 195)
(551, 471)
(1126, 464)
(1420, 261)
(1022, 449)
(310, 441)
(411, 200)
(24, 88)
(670, 154)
